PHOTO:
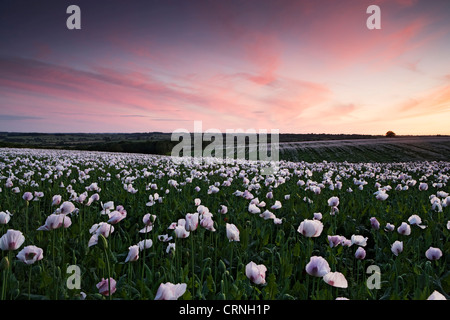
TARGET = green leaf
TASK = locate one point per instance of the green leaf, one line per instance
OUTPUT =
(286, 269)
(210, 283)
(265, 239)
(186, 296)
(296, 250)
(445, 281)
(101, 263)
(244, 238)
(287, 297)
(46, 279)
(280, 239)
(271, 289)
(417, 270)
(300, 290)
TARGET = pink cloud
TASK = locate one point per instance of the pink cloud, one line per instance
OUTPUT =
(338, 112)
(98, 86)
(340, 39)
(263, 51)
(432, 101)
(108, 95)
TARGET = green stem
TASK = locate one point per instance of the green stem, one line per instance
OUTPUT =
(110, 241)
(313, 287)
(26, 218)
(310, 246)
(204, 267)
(29, 284)
(143, 264)
(129, 274)
(4, 284)
(215, 258)
(396, 276)
(54, 263)
(80, 217)
(61, 244)
(10, 267)
(231, 258)
(109, 275)
(307, 287)
(39, 211)
(177, 260)
(317, 288)
(180, 256)
(357, 271)
(334, 224)
(192, 254)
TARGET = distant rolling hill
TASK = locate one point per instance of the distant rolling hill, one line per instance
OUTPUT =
(398, 149)
(293, 147)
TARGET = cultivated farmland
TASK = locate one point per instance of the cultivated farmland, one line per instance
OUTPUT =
(161, 229)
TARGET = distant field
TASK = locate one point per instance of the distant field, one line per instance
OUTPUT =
(149, 143)
(293, 147)
(59, 140)
(369, 150)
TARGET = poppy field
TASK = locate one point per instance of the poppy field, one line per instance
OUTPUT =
(93, 225)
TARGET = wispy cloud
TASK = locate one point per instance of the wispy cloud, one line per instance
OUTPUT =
(436, 100)
(9, 117)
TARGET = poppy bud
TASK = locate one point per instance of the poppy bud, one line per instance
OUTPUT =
(102, 243)
(4, 264)
(222, 267)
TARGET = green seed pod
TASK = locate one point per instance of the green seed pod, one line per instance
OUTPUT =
(102, 243)
(222, 267)
(37, 269)
(4, 264)
(221, 296)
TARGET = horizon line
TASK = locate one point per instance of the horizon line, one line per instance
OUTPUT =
(161, 132)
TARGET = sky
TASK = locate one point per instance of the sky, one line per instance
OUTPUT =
(159, 65)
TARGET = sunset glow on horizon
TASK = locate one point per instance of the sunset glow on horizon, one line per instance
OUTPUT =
(297, 66)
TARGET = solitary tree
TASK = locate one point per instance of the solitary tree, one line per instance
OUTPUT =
(390, 134)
